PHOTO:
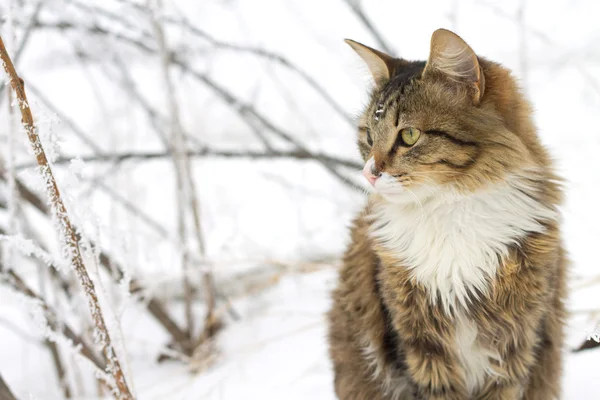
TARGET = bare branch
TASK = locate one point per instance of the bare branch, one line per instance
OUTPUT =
(268, 55)
(208, 152)
(60, 369)
(25, 39)
(183, 22)
(12, 279)
(178, 156)
(356, 8)
(70, 238)
(246, 111)
(587, 345)
(5, 392)
(154, 306)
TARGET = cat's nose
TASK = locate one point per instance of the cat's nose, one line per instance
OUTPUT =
(370, 171)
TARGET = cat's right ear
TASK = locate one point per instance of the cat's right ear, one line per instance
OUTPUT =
(380, 64)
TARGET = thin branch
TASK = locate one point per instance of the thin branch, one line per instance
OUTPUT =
(154, 306)
(208, 152)
(60, 369)
(95, 29)
(246, 111)
(588, 344)
(268, 55)
(12, 279)
(69, 236)
(356, 8)
(183, 22)
(178, 156)
(133, 209)
(5, 392)
(25, 39)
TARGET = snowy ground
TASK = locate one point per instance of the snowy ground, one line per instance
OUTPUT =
(257, 212)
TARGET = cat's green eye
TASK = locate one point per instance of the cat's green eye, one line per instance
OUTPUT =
(410, 136)
(369, 138)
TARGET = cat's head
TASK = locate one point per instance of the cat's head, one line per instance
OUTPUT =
(456, 121)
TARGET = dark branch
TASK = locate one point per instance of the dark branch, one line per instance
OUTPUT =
(5, 393)
(587, 345)
(360, 14)
(206, 152)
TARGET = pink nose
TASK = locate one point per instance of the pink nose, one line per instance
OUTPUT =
(370, 172)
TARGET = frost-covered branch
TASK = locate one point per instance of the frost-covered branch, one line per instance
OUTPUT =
(154, 306)
(12, 279)
(70, 239)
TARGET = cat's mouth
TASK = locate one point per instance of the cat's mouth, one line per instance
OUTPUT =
(396, 188)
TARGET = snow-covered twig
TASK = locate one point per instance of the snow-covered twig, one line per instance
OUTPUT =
(71, 243)
(154, 306)
(12, 279)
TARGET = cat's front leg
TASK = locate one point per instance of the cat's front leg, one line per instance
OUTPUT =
(504, 390)
(434, 372)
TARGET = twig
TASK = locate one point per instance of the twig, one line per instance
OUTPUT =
(268, 55)
(182, 22)
(60, 369)
(25, 39)
(5, 392)
(154, 306)
(12, 279)
(360, 14)
(587, 345)
(69, 236)
(178, 156)
(246, 111)
(209, 152)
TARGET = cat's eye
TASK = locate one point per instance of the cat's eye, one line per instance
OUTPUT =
(410, 136)
(369, 138)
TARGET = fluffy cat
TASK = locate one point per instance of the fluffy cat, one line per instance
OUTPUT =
(453, 284)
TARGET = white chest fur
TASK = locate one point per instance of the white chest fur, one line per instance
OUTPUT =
(474, 358)
(452, 243)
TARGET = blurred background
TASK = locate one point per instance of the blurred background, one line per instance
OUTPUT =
(206, 154)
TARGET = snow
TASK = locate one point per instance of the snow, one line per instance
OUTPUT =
(274, 229)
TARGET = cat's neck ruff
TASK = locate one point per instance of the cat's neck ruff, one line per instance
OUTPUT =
(453, 243)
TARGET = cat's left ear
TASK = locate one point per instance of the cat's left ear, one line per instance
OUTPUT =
(454, 58)
(380, 64)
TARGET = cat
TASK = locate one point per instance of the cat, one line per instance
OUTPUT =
(453, 284)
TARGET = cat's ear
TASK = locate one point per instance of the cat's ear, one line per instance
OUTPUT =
(454, 58)
(380, 64)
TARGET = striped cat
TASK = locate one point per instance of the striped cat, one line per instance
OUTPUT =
(453, 284)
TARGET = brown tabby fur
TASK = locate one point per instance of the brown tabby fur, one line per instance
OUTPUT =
(384, 332)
